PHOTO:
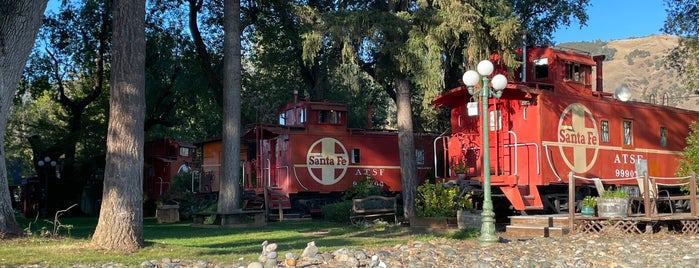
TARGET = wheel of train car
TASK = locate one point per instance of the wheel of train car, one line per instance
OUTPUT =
(553, 203)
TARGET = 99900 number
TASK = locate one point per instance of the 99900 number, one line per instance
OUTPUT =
(624, 173)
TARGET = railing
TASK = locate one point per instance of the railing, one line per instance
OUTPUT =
(648, 181)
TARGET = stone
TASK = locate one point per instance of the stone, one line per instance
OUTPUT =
(310, 250)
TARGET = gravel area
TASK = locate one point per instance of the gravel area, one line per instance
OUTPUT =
(579, 250)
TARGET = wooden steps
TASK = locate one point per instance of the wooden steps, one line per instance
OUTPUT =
(538, 226)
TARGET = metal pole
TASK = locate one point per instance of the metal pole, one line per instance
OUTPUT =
(487, 216)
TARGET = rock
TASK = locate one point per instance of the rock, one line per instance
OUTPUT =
(255, 265)
(310, 251)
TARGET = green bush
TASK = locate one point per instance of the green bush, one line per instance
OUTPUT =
(337, 212)
(179, 193)
(618, 193)
(690, 156)
(364, 188)
(436, 200)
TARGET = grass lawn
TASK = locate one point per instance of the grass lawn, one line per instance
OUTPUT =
(180, 241)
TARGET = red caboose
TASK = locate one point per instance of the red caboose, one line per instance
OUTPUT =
(311, 157)
(551, 122)
(165, 158)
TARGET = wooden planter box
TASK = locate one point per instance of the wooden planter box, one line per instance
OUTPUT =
(433, 223)
(167, 213)
(468, 219)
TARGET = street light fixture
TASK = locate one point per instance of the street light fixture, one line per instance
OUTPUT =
(46, 170)
(499, 82)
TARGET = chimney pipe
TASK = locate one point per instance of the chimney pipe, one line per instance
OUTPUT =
(599, 59)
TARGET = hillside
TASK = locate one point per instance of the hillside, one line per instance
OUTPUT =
(640, 64)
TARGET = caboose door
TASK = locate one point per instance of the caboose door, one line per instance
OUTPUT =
(270, 178)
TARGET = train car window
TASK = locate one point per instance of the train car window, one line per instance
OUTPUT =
(495, 119)
(663, 136)
(329, 117)
(627, 127)
(420, 156)
(355, 156)
(184, 151)
(604, 128)
(541, 68)
(302, 115)
(573, 72)
(282, 119)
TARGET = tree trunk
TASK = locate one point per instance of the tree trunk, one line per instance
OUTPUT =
(120, 225)
(19, 25)
(229, 194)
(406, 145)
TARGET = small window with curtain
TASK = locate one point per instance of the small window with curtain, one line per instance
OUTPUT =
(627, 128)
(604, 129)
(663, 136)
(329, 117)
(355, 156)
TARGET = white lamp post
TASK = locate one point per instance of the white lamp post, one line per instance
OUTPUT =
(499, 82)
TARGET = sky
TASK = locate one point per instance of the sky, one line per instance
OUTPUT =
(616, 19)
(608, 20)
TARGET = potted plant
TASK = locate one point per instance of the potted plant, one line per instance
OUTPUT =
(466, 214)
(588, 206)
(460, 168)
(613, 203)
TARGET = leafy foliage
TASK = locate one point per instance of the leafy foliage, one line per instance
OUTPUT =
(337, 212)
(589, 201)
(690, 155)
(618, 193)
(681, 21)
(459, 166)
(438, 200)
(179, 192)
(363, 188)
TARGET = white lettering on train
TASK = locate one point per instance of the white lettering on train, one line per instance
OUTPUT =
(627, 158)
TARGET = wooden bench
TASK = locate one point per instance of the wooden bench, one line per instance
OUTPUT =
(373, 207)
(239, 218)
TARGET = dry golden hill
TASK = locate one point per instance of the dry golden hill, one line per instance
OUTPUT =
(640, 65)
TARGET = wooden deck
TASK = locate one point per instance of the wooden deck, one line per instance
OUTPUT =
(648, 222)
(683, 223)
(558, 224)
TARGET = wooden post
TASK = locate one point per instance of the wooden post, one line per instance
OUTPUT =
(267, 202)
(571, 202)
(646, 197)
(281, 210)
(693, 194)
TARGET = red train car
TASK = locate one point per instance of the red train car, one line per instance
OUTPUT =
(165, 158)
(551, 122)
(311, 157)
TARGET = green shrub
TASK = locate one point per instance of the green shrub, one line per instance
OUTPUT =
(618, 193)
(337, 212)
(589, 201)
(179, 193)
(363, 188)
(436, 200)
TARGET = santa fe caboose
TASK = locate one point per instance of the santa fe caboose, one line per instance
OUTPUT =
(310, 157)
(549, 122)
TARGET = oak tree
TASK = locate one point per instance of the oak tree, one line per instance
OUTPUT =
(19, 26)
(120, 225)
